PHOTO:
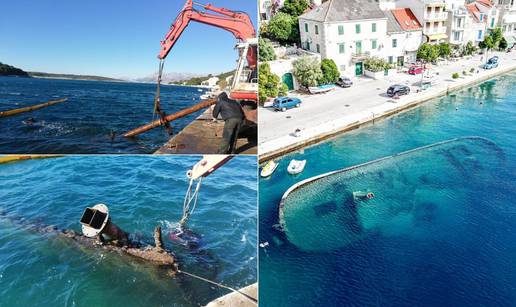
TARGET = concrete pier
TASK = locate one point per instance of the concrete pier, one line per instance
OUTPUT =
(235, 299)
(203, 136)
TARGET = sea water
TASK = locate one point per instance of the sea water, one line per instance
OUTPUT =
(94, 111)
(141, 192)
(439, 231)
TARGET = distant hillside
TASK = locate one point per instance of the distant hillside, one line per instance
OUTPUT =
(8, 70)
(70, 76)
(198, 80)
(170, 77)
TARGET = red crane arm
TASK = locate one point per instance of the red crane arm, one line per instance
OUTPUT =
(237, 23)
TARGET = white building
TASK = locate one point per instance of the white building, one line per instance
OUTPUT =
(476, 27)
(507, 19)
(282, 67)
(404, 36)
(346, 31)
(211, 82)
(458, 20)
(267, 8)
(431, 14)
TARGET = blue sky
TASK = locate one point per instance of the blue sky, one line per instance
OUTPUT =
(117, 38)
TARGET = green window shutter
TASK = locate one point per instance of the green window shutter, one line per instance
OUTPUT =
(342, 48)
(374, 27)
(357, 28)
(373, 44)
(306, 27)
(341, 30)
(394, 43)
(318, 48)
(316, 29)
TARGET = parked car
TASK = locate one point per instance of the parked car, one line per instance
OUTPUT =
(415, 70)
(344, 82)
(398, 90)
(284, 103)
(491, 63)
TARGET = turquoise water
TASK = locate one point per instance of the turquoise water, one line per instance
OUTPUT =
(94, 110)
(141, 192)
(440, 230)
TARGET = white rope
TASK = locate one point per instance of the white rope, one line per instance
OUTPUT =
(190, 201)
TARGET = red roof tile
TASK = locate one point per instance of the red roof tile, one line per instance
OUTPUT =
(406, 19)
(487, 3)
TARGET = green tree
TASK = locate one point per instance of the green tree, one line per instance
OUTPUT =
(295, 37)
(269, 83)
(307, 71)
(470, 48)
(280, 27)
(444, 50)
(330, 72)
(376, 64)
(428, 53)
(482, 45)
(503, 44)
(496, 36)
(283, 90)
(265, 50)
(489, 42)
(294, 7)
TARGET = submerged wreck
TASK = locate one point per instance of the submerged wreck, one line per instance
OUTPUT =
(402, 194)
(99, 232)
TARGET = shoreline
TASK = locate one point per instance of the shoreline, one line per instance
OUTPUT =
(340, 126)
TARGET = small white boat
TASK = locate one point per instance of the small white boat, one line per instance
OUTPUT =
(269, 168)
(296, 166)
(321, 89)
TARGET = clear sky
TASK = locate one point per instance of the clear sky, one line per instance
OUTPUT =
(117, 38)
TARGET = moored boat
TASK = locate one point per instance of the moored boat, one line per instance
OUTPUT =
(269, 168)
(296, 166)
(321, 89)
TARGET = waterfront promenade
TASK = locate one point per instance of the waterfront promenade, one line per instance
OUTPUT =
(326, 115)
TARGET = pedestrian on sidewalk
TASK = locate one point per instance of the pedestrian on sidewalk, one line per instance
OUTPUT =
(231, 112)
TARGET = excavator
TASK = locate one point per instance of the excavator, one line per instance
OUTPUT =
(244, 85)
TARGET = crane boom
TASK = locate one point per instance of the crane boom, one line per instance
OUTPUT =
(238, 23)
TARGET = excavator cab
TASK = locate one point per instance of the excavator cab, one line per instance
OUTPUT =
(244, 87)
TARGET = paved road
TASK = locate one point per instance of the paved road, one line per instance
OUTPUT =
(364, 95)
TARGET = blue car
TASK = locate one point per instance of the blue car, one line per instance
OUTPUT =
(491, 63)
(284, 103)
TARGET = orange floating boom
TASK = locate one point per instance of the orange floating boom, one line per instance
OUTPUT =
(171, 117)
(31, 108)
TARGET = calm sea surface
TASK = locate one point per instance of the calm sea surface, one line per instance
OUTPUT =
(141, 192)
(85, 122)
(440, 231)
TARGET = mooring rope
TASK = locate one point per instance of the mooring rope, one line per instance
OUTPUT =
(190, 201)
(255, 301)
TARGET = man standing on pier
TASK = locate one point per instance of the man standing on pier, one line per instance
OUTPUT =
(231, 112)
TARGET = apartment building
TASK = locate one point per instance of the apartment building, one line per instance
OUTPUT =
(347, 31)
(432, 15)
(507, 19)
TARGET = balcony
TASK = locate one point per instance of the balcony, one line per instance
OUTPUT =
(360, 56)
(462, 12)
(434, 3)
(436, 30)
(436, 16)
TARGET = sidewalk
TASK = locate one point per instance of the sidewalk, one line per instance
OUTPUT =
(325, 115)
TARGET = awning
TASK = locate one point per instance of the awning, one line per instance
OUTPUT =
(437, 36)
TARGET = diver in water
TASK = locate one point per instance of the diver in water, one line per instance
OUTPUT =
(30, 121)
